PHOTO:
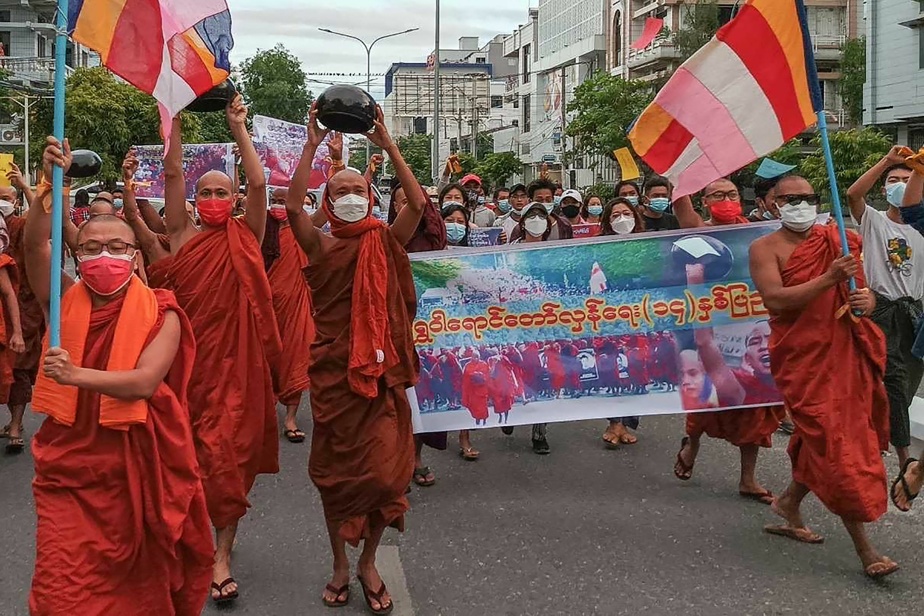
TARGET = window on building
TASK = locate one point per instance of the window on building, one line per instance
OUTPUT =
(527, 51)
(916, 138)
(5, 42)
(41, 47)
(725, 14)
(481, 60)
(527, 124)
(5, 17)
(497, 102)
(516, 102)
(921, 46)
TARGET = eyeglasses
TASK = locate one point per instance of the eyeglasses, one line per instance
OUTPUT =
(722, 195)
(93, 248)
(810, 198)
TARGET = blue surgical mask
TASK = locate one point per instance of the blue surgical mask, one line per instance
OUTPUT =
(117, 204)
(594, 210)
(895, 193)
(503, 206)
(558, 200)
(480, 200)
(455, 232)
(632, 200)
(659, 204)
(550, 207)
(768, 215)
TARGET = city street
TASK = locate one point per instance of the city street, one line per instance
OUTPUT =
(582, 531)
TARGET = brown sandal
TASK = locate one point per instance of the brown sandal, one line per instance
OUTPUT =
(685, 472)
(337, 602)
(370, 596)
(469, 454)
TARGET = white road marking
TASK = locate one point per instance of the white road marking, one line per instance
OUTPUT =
(388, 562)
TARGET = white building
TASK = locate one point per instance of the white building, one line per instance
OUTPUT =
(472, 85)
(831, 23)
(894, 94)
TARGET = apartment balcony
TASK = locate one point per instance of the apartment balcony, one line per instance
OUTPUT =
(828, 47)
(512, 45)
(661, 51)
(31, 72)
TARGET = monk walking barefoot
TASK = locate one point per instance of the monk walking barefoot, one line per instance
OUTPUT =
(363, 360)
(841, 424)
(122, 521)
(219, 279)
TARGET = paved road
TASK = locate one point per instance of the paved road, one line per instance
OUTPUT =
(583, 531)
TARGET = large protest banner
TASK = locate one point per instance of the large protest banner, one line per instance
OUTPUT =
(279, 145)
(197, 160)
(594, 328)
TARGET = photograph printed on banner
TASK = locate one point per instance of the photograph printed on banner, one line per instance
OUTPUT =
(198, 159)
(595, 328)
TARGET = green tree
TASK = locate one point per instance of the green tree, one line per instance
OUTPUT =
(274, 84)
(214, 128)
(854, 151)
(417, 153)
(605, 108)
(853, 77)
(107, 116)
(496, 168)
(700, 23)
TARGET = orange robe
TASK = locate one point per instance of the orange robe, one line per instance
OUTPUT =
(157, 271)
(122, 522)
(31, 317)
(475, 388)
(219, 281)
(292, 304)
(7, 356)
(830, 372)
(362, 450)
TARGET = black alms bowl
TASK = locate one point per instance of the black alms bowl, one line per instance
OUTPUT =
(86, 164)
(347, 109)
(215, 99)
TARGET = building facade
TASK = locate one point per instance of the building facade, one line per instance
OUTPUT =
(893, 99)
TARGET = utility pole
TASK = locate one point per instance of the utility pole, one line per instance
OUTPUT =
(475, 117)
(436, 100)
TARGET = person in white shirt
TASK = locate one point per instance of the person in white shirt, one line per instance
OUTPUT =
(893, 261)
(518, 199)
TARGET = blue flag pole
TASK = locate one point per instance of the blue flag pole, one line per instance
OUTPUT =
(57, 195)
(836, 207)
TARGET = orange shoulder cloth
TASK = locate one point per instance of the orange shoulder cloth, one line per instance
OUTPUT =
(136, 320)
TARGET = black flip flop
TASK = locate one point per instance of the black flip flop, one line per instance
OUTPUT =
(344, 590)
(904, 484)
(15, 445)
(295, 436)
(683, 465)
(222, 599)
(370, 596)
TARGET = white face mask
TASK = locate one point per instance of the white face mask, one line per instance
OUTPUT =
(800, 217)
(351, 208)
(623, 225)
(6, 208)
(536, 226)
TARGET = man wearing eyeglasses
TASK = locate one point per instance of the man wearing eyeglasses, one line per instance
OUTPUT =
(828, 361)
(749, 429)
(892, 261)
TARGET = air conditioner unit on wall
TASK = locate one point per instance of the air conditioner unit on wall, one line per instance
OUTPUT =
(9, 136)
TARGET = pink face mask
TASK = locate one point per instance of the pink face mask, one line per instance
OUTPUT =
(106, 274)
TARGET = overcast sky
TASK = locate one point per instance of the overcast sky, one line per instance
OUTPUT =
(260, 24)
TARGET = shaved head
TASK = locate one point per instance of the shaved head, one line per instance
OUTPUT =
(347, 182)
(215, 185)
(106, 227)
(8, 193)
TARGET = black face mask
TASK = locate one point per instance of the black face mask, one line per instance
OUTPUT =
(571, 210)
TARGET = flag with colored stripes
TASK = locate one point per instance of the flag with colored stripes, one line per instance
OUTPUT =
(748, 91)
(174, 50)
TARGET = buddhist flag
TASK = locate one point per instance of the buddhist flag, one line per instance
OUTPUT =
(174, 50)
(748, 91)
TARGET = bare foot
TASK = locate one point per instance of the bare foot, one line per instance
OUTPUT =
(221, 572)
(611, 436)
(373, 582)
(686, 458)
(755, 491)
(340, 581)
(794, 528)
(625, 437)
(913, 478)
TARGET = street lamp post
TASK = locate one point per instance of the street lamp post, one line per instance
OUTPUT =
(368, 64)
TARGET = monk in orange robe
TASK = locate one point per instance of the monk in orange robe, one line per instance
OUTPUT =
(475, 388)
(19, 306)
(362, 361)
(132, 536)
(842, 423)
(218, 277)
(284, 261)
